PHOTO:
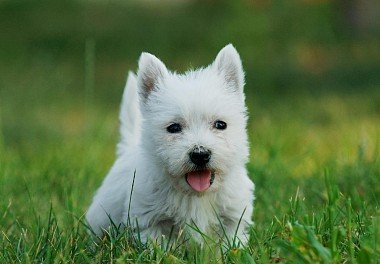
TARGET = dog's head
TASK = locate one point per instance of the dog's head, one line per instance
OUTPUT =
(194, 123)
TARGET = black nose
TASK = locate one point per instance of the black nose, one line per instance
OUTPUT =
(200, 156)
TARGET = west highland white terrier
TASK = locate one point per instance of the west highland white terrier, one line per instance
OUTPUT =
(183, 150)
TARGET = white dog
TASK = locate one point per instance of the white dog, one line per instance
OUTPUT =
(183, 150)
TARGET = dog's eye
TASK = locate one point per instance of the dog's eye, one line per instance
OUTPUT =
(174, 128)
(221, 125)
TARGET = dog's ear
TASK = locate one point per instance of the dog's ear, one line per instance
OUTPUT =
(151, 71)
(228, 64)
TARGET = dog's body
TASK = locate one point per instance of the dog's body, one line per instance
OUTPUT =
(184, 144)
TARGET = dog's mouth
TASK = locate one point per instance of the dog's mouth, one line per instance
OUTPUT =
(200, 180)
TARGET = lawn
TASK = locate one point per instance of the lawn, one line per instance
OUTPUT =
(314, 125)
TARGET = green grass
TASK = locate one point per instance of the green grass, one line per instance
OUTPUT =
(314, 127)
(314, 160)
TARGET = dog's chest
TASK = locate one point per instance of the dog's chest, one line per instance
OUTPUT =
(199, 212)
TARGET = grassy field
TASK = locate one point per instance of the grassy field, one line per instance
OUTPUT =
(314, 101)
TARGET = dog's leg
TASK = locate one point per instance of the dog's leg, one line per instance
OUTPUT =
(107, 205)
(235, 232)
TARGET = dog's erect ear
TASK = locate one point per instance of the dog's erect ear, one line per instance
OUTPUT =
(228, 64)
(151, 71)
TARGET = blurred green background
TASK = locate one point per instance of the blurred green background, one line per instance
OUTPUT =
(312, 84)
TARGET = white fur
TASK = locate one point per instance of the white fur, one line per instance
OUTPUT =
(161, 198)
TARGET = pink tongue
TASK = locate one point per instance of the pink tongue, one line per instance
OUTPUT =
(199, 180)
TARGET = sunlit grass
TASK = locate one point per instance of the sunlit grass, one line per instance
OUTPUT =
(56, 170)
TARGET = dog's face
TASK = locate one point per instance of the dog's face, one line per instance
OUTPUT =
(194, 124)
